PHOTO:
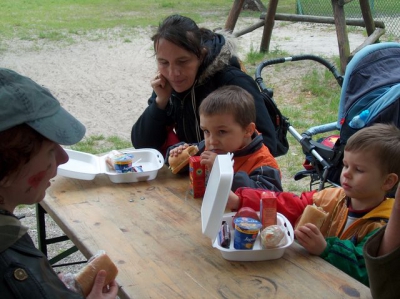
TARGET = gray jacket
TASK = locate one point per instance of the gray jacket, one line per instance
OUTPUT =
(24, 271)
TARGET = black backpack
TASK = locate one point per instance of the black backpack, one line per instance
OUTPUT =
(281, 122)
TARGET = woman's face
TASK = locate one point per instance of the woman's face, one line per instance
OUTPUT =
(178, 66)
(29, 185)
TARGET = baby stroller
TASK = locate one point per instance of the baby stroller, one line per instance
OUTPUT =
(370, 91)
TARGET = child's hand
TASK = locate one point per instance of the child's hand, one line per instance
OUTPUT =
(207, 159)
(310, 237)
(233, 201)
(178, 150)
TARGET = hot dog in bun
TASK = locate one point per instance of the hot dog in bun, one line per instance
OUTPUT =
(176, 163)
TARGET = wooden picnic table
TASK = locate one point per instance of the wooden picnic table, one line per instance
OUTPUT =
(152, 231)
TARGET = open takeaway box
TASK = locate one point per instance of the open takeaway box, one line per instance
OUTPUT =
(86, 166)
(212, 214)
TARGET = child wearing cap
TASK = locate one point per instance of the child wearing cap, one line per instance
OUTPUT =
(32, 127)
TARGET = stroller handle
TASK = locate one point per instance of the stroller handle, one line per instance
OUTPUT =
(307, 146)
(304, 140)
(327, 64)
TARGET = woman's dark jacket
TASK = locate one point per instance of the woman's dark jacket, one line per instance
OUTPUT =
(150, 130)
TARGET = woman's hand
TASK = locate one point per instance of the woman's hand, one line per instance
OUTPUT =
(99, 292)
(310, 237)
(207, 159)
(163, 90)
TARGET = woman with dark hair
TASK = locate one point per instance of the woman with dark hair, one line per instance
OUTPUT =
(192, 62)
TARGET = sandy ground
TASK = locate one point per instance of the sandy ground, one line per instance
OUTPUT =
(106, 83)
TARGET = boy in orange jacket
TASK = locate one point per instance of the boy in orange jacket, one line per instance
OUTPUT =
(227, 118)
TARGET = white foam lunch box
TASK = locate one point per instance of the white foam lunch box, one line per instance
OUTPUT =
(86, 166)
(212, 214)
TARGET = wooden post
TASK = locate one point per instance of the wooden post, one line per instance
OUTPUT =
(233, 15)
(341, 32)
(367, 16)
(268, 25)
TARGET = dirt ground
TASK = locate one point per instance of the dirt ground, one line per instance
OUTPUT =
(104, 81)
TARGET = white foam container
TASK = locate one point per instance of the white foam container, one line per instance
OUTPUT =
(212, 214)
(86, 166)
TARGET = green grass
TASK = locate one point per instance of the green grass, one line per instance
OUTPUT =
(31, 19)
(98, 144)
(57, 19)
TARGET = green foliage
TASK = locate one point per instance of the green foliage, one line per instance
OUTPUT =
(97, 144)
(41, 18)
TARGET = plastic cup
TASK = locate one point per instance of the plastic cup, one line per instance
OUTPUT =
(123, 163)
(246, 231)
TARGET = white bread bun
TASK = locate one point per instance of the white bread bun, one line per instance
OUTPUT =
(312, 214)
(87, 275)
(272, 236)
(180, 161)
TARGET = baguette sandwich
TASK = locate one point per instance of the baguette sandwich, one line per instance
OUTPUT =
(180, 161)
(312, 214)
(86, 276)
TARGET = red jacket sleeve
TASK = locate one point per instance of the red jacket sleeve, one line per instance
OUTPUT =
(288, 204)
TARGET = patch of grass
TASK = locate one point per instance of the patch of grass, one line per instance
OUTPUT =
(23, 19)
(20, 18)
(98, 144)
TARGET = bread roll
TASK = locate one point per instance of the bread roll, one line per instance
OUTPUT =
(180, 161)
(272, 236)
(312, 214)
(87, 275)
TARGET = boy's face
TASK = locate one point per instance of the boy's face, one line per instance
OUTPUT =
(223, 134)
(362, 178)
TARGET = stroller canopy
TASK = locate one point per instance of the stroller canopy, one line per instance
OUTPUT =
(371, 82)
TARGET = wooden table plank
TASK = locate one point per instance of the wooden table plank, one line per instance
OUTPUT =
(152, 231)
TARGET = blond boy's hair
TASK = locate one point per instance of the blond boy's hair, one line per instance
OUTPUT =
(230, 99)
(383, 141)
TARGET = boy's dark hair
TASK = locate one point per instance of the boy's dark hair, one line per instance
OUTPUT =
(383, 140)
(230, 99)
